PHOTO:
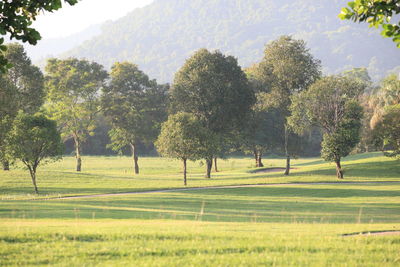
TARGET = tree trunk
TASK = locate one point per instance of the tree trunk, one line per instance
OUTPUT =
(339, 171)
(184, 172)
(259, 160)
(78, 154)
(135, 158)
(256, 157)
(287, 171)
(209, 163)
(33, 176)
(215, 165)
(6, 165)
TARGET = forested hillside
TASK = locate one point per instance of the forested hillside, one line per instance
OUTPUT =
(159, 37)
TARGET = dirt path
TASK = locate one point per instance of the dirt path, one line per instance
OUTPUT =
(374, 233)
(211, 187)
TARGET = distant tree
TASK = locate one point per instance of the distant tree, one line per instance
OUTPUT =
(26, 78)
(287, 68)
(17, 18)
(215, 90)
(387, 131)
(8, 111)
(136, 107)
(377, 13)
(184, 137)
(332, 104)
(22, 89)
(34, 139)
(74, 88)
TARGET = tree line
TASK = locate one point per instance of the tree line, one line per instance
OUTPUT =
(212, 108)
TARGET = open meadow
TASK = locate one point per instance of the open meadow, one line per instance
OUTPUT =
(300, 220)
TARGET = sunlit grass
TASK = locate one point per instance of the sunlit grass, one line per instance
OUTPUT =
(286, 223)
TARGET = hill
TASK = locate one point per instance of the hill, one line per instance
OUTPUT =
(160, 36)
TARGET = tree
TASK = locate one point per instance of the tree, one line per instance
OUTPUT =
(331, 104)
(215, 90)
(34, 139)
(287, 68)
(8, 111)
(17, 18)
(74, 88)
(377, 13)
(387, 131)
(136, 107)
(184, 137)
(22, 89)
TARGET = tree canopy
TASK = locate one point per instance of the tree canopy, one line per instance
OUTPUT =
(378, 13)
(331, 103)
(73, 94)
(34, 139)
(135, 105)
(16, 20)
(215, 90)
(184, 137)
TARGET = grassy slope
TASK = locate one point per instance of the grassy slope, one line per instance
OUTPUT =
(297, 225)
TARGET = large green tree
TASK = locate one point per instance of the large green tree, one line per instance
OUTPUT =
(215, 90)
(22, 89)
(136, 107)
(34, 139)
(378, 13)
(73, 94)
(184, 137)
(16, 20)
(332, 104)
(287, 68)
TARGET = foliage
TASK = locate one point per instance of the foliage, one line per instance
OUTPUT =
(8, 111)
(287, 68)
(17, 18)
(27, 79)
(347, 135)
(183, 136)
(213, 88)
(34, 139)
(135, 105)
(377, 13)
(387, 131)
(332, 104)
(73, 97)
(21, 88)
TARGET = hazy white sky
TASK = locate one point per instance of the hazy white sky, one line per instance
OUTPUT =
(73, 19)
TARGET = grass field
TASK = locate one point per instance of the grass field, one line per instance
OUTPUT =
(286, 224)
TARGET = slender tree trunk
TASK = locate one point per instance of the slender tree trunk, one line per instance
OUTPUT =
(209, 163)
(287, 170)
(184, 172)
(215, 165)
(339, 171)
(33, 176)
(259, 160)
(135, 158)
(6, 165)
(78, 154)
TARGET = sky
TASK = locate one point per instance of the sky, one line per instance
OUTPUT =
(74, 19)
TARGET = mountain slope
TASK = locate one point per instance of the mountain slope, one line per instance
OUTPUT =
(159, 37)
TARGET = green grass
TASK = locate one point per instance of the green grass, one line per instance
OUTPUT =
(274, 225)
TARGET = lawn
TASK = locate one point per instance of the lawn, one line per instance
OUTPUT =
(287, 222)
